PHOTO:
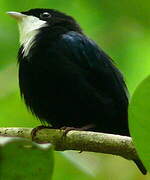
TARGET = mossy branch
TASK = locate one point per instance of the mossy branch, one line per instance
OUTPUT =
(79, 140)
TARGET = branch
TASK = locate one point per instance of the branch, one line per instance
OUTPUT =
(79, 140)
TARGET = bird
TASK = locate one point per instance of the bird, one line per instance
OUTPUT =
(65, 78)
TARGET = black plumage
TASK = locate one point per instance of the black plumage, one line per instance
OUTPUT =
(67, 80)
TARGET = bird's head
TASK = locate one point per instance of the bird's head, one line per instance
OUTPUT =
(30, 22)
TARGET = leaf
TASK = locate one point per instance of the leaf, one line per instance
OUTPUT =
(23, 159)
(139, 120)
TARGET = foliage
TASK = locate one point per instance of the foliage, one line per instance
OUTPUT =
(23, 159)
(139, 117)
(121, 27)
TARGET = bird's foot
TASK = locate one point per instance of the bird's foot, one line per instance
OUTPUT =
(67, 129)
(36, 129)
(84, 128)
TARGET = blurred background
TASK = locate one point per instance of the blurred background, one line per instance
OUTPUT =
(121, 28)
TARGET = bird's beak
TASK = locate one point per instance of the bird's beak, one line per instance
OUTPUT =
(16, 15)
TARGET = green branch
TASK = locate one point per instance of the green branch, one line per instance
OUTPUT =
(78, 140)
(81, 141)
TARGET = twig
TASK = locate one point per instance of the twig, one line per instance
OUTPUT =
(79, 140)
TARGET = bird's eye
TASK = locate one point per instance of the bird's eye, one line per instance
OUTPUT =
(45, 15)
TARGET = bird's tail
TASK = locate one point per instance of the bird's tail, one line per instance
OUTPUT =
(141, 166)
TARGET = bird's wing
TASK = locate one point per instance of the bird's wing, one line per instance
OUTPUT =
(102, 73)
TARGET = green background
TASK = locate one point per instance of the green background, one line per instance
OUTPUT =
(121, 28)
(139, 123)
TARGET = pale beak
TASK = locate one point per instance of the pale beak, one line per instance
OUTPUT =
(16, 15)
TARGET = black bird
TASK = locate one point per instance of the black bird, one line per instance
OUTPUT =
(65, 78)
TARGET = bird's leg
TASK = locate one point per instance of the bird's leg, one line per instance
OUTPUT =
(36, 129)
(84, 128)
(65, 128)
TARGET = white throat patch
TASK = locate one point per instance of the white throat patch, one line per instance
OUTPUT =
(28, 28)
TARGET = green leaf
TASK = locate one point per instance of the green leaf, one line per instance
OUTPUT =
(23, 159)
(139, 120)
